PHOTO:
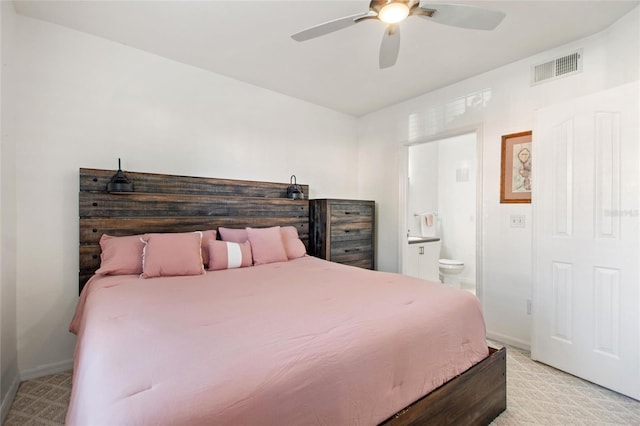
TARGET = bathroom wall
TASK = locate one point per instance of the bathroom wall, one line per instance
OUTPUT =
(442, 179)
(457, 203)
(422, 192)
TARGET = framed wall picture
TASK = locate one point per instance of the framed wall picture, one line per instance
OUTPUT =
(515, 173)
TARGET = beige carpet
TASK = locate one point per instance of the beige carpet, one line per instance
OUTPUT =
(41, 401)
(540, 395)
(536, 395)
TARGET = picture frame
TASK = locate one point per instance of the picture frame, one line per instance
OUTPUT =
(515, 170)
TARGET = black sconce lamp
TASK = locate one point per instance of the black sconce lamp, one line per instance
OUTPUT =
(294, 191)
(119, 182)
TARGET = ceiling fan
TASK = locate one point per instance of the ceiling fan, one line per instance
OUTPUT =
(392, 12)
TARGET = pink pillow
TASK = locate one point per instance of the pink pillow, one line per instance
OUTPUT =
(172, 254)
(267, 245)
(233, 235)
(228, 255)
(206, 237)
(120, 255)
(292, 244)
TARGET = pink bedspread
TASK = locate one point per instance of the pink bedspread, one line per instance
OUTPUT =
(292, 343)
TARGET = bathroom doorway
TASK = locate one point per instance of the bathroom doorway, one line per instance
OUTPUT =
(442, 190)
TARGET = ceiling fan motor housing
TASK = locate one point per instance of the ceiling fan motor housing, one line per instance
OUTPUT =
(390, 11)
(376, 5)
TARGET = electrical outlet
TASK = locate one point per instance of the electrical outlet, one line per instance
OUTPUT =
(517, 221)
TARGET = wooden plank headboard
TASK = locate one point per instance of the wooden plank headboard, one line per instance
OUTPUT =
(168, 203)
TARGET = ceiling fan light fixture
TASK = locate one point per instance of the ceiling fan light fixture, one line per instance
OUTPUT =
(392, 13)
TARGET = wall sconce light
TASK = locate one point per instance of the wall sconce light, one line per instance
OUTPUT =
(119, 182)
(294, 191)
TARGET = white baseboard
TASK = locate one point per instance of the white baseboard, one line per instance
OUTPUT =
(510, 341)
(45, 370)
(8, 398)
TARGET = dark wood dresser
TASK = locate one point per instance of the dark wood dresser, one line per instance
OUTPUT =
(342, 231)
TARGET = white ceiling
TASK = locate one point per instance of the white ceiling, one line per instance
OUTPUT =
(250, 41)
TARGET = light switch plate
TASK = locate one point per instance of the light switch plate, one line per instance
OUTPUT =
(517, 221)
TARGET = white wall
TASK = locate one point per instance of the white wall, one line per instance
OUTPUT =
(8, 340)
(422, 193)
(457, 203)
(503, 103)
(81, 101)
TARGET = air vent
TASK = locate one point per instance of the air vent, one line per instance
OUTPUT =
(559, 67)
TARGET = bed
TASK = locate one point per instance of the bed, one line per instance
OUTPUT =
(301, 341)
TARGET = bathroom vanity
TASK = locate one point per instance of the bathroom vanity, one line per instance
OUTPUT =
(423, 254)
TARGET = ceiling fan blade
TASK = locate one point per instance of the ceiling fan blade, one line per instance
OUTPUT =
(328, 27)
(390, 46)
(458, 15)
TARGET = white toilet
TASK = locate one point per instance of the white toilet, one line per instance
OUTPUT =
(449, 271)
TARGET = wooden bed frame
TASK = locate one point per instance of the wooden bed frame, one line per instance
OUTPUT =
(168, 203)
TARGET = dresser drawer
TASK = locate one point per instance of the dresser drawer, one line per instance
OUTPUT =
(350, 246)
(351, 212)
(350, 250)
(351, 231)
(351, 255)
(366, 263)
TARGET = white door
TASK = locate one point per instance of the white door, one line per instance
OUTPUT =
(586, 213)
